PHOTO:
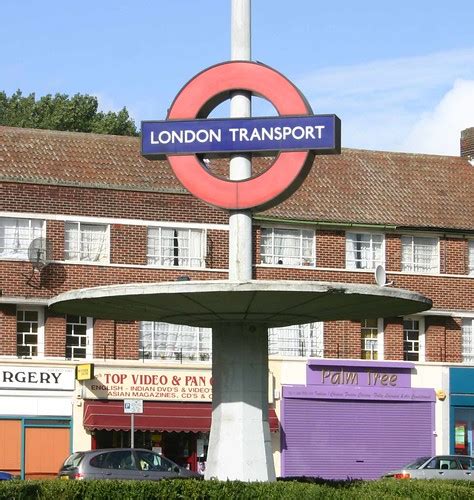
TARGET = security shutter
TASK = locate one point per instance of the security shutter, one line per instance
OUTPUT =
(357, 439)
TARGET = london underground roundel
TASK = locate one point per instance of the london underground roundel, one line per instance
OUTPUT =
(296, 134)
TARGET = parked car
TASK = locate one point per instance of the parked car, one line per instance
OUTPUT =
(5, 476)
(437, 467)
(122, 463)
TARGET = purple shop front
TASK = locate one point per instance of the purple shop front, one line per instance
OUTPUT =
(356, 419)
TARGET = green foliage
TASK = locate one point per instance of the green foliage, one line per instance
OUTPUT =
(220, 490)
(61, 112)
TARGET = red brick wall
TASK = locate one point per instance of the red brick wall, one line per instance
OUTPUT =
(128, 244)
(104, 339)
(435, 338)
(453, 340)
(7, 330)
(393, 339)
(127, 335)
(330, 249)
(342, 339)
(55, 336)
(393, 252)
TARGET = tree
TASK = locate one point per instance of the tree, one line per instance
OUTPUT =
(61, 112)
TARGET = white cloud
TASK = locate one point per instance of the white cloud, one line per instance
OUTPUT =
(417, 104)
(439, 131)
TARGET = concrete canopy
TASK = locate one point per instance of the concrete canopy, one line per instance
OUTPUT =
(270, 303)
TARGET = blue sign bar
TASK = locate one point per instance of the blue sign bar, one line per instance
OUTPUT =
(318, 133)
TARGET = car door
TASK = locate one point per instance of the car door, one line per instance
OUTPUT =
(442, 467)
(118, 464)
(154, 467)
(467, 468)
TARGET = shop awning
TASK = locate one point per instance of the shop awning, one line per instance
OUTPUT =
(156, 416)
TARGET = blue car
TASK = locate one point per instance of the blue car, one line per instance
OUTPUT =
(4, 476)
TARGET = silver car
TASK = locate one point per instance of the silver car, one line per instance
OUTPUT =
(438, 467)
(122, 463)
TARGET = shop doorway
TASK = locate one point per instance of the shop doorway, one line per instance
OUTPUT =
(188, 449)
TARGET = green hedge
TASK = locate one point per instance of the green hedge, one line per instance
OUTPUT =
(218, 490)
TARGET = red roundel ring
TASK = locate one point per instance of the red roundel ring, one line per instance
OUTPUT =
(214, 85)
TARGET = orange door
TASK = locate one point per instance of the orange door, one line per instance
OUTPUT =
(45, 451)
(10, 446)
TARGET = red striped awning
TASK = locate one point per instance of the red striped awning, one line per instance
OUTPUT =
(156, 416)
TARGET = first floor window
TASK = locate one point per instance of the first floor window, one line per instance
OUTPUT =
(413, 339)
(290, 247)
(29, 332)
(78, 337)
(297, 340)
(370, 339)
(176, 247)
(364, 250)
(16, 236)
(174, 342)
(86, 242)
(471, 257)
(468, 341)
(420, 254)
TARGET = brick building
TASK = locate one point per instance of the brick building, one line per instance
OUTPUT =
(111, 217)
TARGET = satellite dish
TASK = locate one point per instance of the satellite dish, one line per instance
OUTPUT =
(40, 253)
(380, 275)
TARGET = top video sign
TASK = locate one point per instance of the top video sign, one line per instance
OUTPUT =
(319, 133)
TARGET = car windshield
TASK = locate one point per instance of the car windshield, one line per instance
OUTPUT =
(417, 463)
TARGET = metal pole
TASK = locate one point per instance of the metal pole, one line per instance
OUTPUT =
(132, 430)
(240, 222)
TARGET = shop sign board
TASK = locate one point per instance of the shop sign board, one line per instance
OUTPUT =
(295, 135)
(37, 377)
(85, 371)
(150, 384)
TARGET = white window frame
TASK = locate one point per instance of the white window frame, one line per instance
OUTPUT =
(156, 255)
(470, 257)
(421, 337)
(22, 251)
(89, 338)
(411, 265)
(379, 339)
(40, 333)
(467, 342)
(305, 340)
(78, 251)
(276, 258)
(357, 263)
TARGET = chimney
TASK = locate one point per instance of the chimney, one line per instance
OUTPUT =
(467, 144)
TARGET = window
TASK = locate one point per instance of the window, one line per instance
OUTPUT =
(297, 340)
(29, 332)
(371, 338)
(176, 247)
(420, 254)
(290, 247)
(86, 242)
(16, 236)
(364, 250)
(178, 342)
(78, 337)
(470, 265)
(114, 460)
(413, 339)
(467, 341)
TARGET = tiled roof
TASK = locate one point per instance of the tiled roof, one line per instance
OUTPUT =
(358, 186)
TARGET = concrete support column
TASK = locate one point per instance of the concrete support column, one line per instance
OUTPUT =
(240, 442)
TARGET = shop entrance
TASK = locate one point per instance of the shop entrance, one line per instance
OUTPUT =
(188, 449)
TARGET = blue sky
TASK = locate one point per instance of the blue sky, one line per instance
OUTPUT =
(400, 75)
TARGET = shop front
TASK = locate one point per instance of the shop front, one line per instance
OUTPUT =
(175, 418)
(35, 411)
(461, 388)
(355, 419)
